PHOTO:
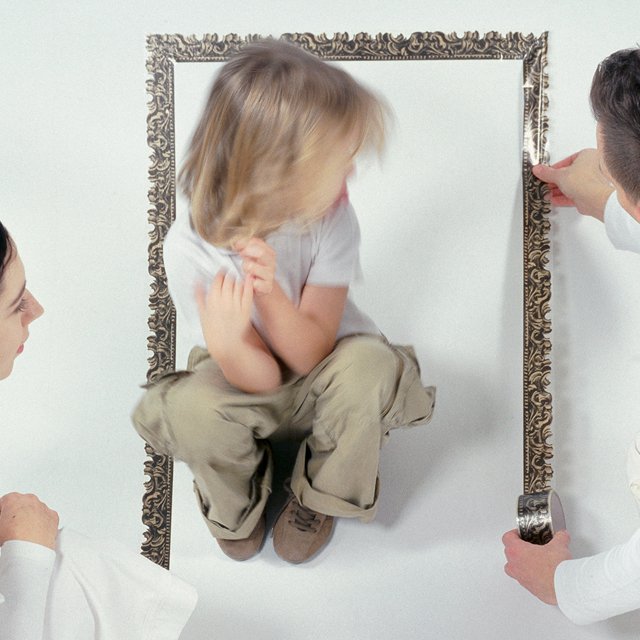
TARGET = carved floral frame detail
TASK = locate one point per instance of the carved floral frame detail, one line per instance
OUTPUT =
(167, 50)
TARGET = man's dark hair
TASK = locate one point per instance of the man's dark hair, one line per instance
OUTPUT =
(6, 251)
(615, 100)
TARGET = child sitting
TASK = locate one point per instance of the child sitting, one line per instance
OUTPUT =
(260, 274)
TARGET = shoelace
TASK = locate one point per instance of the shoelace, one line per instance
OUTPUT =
(301, 517)
(304, 519)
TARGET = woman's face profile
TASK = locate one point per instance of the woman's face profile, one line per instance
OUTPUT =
(18, 309)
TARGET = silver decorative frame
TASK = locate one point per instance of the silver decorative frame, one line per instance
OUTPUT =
(167, 50)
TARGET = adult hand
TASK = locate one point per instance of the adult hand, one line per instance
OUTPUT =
(259, 262)
(25, 517)
(577, 181)
(533, 565)
(225, 312)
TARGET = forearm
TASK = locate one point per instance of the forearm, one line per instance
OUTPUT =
(248, 365)
(593, 204)
(296, 337)
(601, 586)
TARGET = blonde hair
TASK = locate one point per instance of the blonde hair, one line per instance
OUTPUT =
(263, 143)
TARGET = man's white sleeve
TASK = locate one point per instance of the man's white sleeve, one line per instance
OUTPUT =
(600, 586)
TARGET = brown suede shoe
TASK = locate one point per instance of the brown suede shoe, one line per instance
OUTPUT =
(299, 532)
(246, 547)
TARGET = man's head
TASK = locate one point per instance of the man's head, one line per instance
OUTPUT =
(615, 100)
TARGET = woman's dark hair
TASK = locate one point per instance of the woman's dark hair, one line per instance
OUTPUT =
(615, 100)
(6, 251)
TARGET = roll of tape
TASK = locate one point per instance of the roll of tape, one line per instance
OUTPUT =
(540, 516)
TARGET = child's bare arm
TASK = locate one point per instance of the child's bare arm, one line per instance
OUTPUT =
(301, 336)
(305, 335)
(225, 315)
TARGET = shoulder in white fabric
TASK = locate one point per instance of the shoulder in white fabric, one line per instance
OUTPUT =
(623, 229)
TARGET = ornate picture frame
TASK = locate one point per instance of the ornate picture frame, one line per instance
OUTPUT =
(167, 50)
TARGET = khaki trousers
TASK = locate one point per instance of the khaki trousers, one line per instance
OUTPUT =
(342, 411)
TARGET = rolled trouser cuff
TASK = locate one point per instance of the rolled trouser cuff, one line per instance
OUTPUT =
(328, 504)
(252, 514)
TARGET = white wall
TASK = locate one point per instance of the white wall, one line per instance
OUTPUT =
(73, 192)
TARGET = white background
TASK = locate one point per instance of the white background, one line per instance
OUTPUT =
(441, 256)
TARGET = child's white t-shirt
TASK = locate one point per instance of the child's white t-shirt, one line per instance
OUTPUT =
(324, 254)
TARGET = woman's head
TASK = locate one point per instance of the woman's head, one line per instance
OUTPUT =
(18, 307)
(279, 129)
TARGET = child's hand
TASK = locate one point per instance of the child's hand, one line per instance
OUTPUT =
(259, 263)
(225, 312)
